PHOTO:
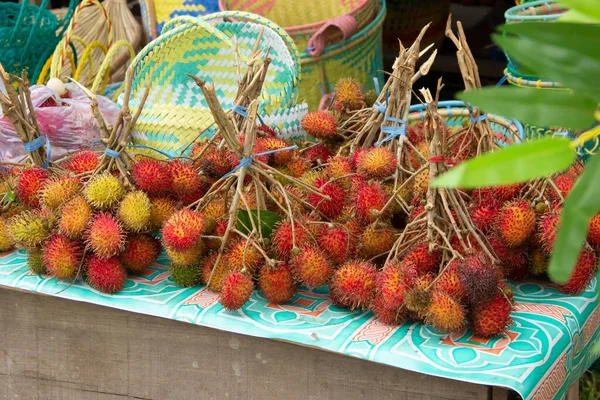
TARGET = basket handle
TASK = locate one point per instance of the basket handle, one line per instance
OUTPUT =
(346, 24)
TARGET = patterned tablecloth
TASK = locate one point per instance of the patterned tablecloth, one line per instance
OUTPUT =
(540, 355)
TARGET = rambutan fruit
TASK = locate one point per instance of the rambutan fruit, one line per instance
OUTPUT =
(105, 236)
(564, 183)
(515, 222)
(370, 200)
(348, 95)
(471, 245)
(61, 256)
(243, 256)
(186, 275)
(336, 243)
(421, 183)
(547, 228)
(538, 261)
(492, 317)
(298, 167)
(135, 211)
(582, 273)
(161, 208)
(103, 191)
(218, 276)
(82, 161)
(594, 232)
(337, 197)
(480, 277)
(318, 154)
(58, 190)
(237, 290)
(484, 215)
(576, 169)
(29, 185)
(266, 130)
(393, 281)
(311, 267)
(445, 313)
(217, 163)
(505, 193)
(6, 241)
(377, 163)
(219, 230)
(105, 275)
(418, 156)
(319, 124)
(74, 218)
(185, 179)
(514, 260)
(152, 176)
(212, 212)
(185, 257)
(355, 284)
(417, 300)
(450, 281)
(141, 251)
(415, 133)
(280, 157)
(376, 241)
(425, 261)
(183, 229)
(28, 229)
(282, 238)
(392, 317)
(277, 283)
(339, 168)
(35, 262)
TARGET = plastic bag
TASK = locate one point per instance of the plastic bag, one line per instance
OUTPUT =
(68, 123)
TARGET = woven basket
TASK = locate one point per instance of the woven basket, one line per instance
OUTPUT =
(304, 20)
(455, 113)
(536, 11)
(176, 112)
(156, 13)
(29, 34)
(406, 18)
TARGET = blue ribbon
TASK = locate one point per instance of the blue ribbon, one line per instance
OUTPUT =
(377, 105)
(245, 162)
(111, 153)
(392, 131)
(37, 143)
(501, 81)
(475, 119)
(241, 110)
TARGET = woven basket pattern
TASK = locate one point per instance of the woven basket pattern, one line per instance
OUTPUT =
(359, 57)
(156, 13)
(302, 19)
(176, 111)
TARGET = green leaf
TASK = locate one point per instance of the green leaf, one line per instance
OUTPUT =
(537, 107)
(587, 7)
(268, 220)
(517, 163)
(577, 17)
(560, 52)
(580, 206)
(9, 196)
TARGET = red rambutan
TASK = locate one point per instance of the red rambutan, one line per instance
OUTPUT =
(29, 184)
(243, 256)
(185, 179)
(105, 275)
(376, 241)
(547, 228)
(311, 267)
(266, 130)
(393, 281)
(377, 163)
(392, 317)
(370, 200)
(348, 95)
(237, 290)
(277, 283)
(141, 251)
(484, 215)
(564, 183)
(336, 243)
(514, 260)
(423, 260)
(161, 208)
(74, 217)
(445, 313)
(152, 176)
(61, 256)
(183, 229)
(582, 273)
(217, 163)
(218, 276)
(515, 222)
(450, 281)
(319, 124)
(82, 161)
(337, 197)
(318, 154)
(280, 157)
(594, 232)
(282, 238)
(355, 284)
(492, 317)
(480, 277)
(105, 236)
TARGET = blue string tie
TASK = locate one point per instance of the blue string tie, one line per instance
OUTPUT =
(501, 81)
(475, 119)
(378, 106)
(112, 153)
(392, 131)
(38, 143)
(245, 162)
(241, 110)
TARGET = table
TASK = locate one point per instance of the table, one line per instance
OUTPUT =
(66, 349)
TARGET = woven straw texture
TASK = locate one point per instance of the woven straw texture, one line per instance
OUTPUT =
(176, 112)
(456, 114)
(156, 13)
(359, 57)
(302, 19)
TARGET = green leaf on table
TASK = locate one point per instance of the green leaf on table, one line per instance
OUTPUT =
(569, 57)
(537, 107)
(577, 17)
(587, 7)
(517, 163)
(580, 206)
(268, 220)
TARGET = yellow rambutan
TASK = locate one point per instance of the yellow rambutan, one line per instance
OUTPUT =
(103, 191)
(135, 211)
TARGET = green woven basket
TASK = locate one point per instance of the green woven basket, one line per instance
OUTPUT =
(176, 111)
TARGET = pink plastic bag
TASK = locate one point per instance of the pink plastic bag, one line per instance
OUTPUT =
(70, 126)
